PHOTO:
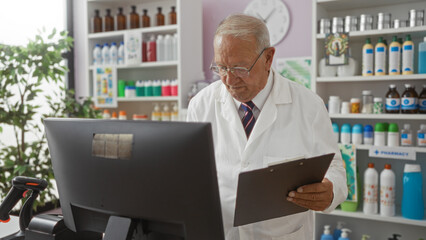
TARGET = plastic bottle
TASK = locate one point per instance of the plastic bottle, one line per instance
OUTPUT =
(160, 17)
(355, 105)
(165, 114)
(394, 237)
(422, 56)
(368, 135)
(335, 131)
(97, 22)
(409, 100)
(406, 136)
(338, 230)
(371, 184)
(174, 87)
(367, 102)
(120, 54)
(345, 234)
(408, 56)
(334, 104)
(393, 135)
(105, 54)
(165, 88)
(326, 71)
(121, 19)
(156, 88)
(422, 100)
(122, 115)
(393, 100)
(114, 116)
(412, 196)
(345, 134)
(156, 114)
(387, 56)
(160, 48)
(146, 20)
(175, 112)
(97, 55)
(149, 89)
(380, 58)
(387, 192)
(172, 16)
(367, 58)
(140, 88)
(378, 105)
(113, 53)
(394, 57)
(175, 46)
(151, 49)
(109, 21)
(327, 235)
(134, 18)
(106, 114)
(357, 134)
(365, 237)
(421, 136)
(168, 47)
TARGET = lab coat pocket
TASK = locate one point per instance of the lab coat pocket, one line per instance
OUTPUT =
(296, 235)
(269, 161)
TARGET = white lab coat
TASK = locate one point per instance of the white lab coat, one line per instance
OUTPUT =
(293, 122)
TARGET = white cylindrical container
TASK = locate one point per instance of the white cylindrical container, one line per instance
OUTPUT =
(97, 55)
(393, 135)
(371, 185)
(168, 48)
(105, 54)
(379, 135)
(334, 104)
(406, 136)
(113, 53)
(345, 134)
(175, 46)
(160, 48)
(387, 192)
(120, 54)
(346, 108)
(357, 134)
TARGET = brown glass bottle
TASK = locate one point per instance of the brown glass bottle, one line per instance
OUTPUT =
(109, 21)
(134, 18)
(393, 101)
(160, 17)
(97, 22)
(422, 100)
(146, 21)
(172, 16)
(121, 19)
(409, 100)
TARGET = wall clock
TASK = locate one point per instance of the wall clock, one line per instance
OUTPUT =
(275, 15)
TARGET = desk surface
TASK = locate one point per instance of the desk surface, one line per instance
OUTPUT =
(11, 227)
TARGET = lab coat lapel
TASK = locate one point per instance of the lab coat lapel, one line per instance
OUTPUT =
(230, 113)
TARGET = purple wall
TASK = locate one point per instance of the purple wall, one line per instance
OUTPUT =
(297, 42)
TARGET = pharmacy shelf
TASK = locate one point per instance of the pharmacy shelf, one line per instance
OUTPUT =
(371, 78)
(338, 5)
(376, 217)
(379, 116)
(164, 64)
(120, 33)
(417, 149)
(419, 31)
(148, 99)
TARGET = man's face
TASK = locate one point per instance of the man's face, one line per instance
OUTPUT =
(233, 52)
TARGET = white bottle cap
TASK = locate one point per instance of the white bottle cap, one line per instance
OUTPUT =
(355, 100)
(378, 99)
(345, 232)
(412, 168)
(423, 126)
(334, 97)
(327, 229)
(366, 92)
(407, 126)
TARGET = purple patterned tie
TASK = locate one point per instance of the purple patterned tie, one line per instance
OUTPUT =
(248, 119)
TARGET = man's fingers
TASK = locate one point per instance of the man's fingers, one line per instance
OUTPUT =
(317, 196)
(315, 187)
(314, 205)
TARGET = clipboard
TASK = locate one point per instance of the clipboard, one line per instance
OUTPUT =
(262, 193)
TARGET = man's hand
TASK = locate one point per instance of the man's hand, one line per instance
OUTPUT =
(317, 196)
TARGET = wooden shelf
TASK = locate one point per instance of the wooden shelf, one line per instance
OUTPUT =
(372, 78)
(377, 217)
(380, 116)
(148, 99)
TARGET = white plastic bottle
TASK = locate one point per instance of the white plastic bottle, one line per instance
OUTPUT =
(380, 58)
(387, 192)
(165, 114)
(97, 55)
(113, 53)
(408, 56)
(168, 48)
(327, 233)
(105, 54)
(394, 57)
(367, 58)
(175, 113)
(120, 54)
(371, 185)
(421, 136)
(406, 135)
(160, 48)
(175, 46)
(156, 114)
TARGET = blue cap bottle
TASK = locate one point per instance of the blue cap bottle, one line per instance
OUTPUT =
(345, 134)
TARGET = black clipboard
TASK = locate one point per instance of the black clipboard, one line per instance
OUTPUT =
(262, 193)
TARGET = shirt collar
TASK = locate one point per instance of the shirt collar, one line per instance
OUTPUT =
(260, 99)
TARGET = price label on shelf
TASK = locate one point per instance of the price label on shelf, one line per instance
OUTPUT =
(393, 152)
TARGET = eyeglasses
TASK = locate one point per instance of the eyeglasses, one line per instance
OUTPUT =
(241, 72)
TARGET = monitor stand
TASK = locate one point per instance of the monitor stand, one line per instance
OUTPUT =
(119, 228)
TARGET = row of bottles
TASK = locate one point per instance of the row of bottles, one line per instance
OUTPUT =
(147, 88)
(160, 48)
(108, 23)
(108, 55)
(341, 233)
(383, 134)
(394, 59)
(158, 114)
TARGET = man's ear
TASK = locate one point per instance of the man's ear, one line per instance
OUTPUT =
(269, 54)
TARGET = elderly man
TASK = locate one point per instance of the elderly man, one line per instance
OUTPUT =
(258, 117)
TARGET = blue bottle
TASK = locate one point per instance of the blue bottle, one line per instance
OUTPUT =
(368, 135)
(422, 56)
(338, 230)
(412, 196)
(336, 131)
(327, 235)
(345, 233)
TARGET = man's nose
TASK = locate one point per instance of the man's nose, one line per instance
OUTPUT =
(231, 78)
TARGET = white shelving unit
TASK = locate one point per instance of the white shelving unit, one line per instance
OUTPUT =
(376, 226)
(188, 67)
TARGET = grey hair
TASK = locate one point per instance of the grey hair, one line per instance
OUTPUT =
(243, 26)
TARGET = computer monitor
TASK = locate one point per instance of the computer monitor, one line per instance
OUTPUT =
(161, 175)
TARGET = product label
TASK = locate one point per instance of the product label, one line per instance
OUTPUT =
(393, 103)
(387, 195)
(370, 193)
(407, 58)
(406, 139)
(408, 47)
(408, 103)
(421, 140)
(380, 60)
(394, 49)
(367, 61)
(422, 104)
(394, 60)
(369, 51)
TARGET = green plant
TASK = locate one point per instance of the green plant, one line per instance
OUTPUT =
(23, 70)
